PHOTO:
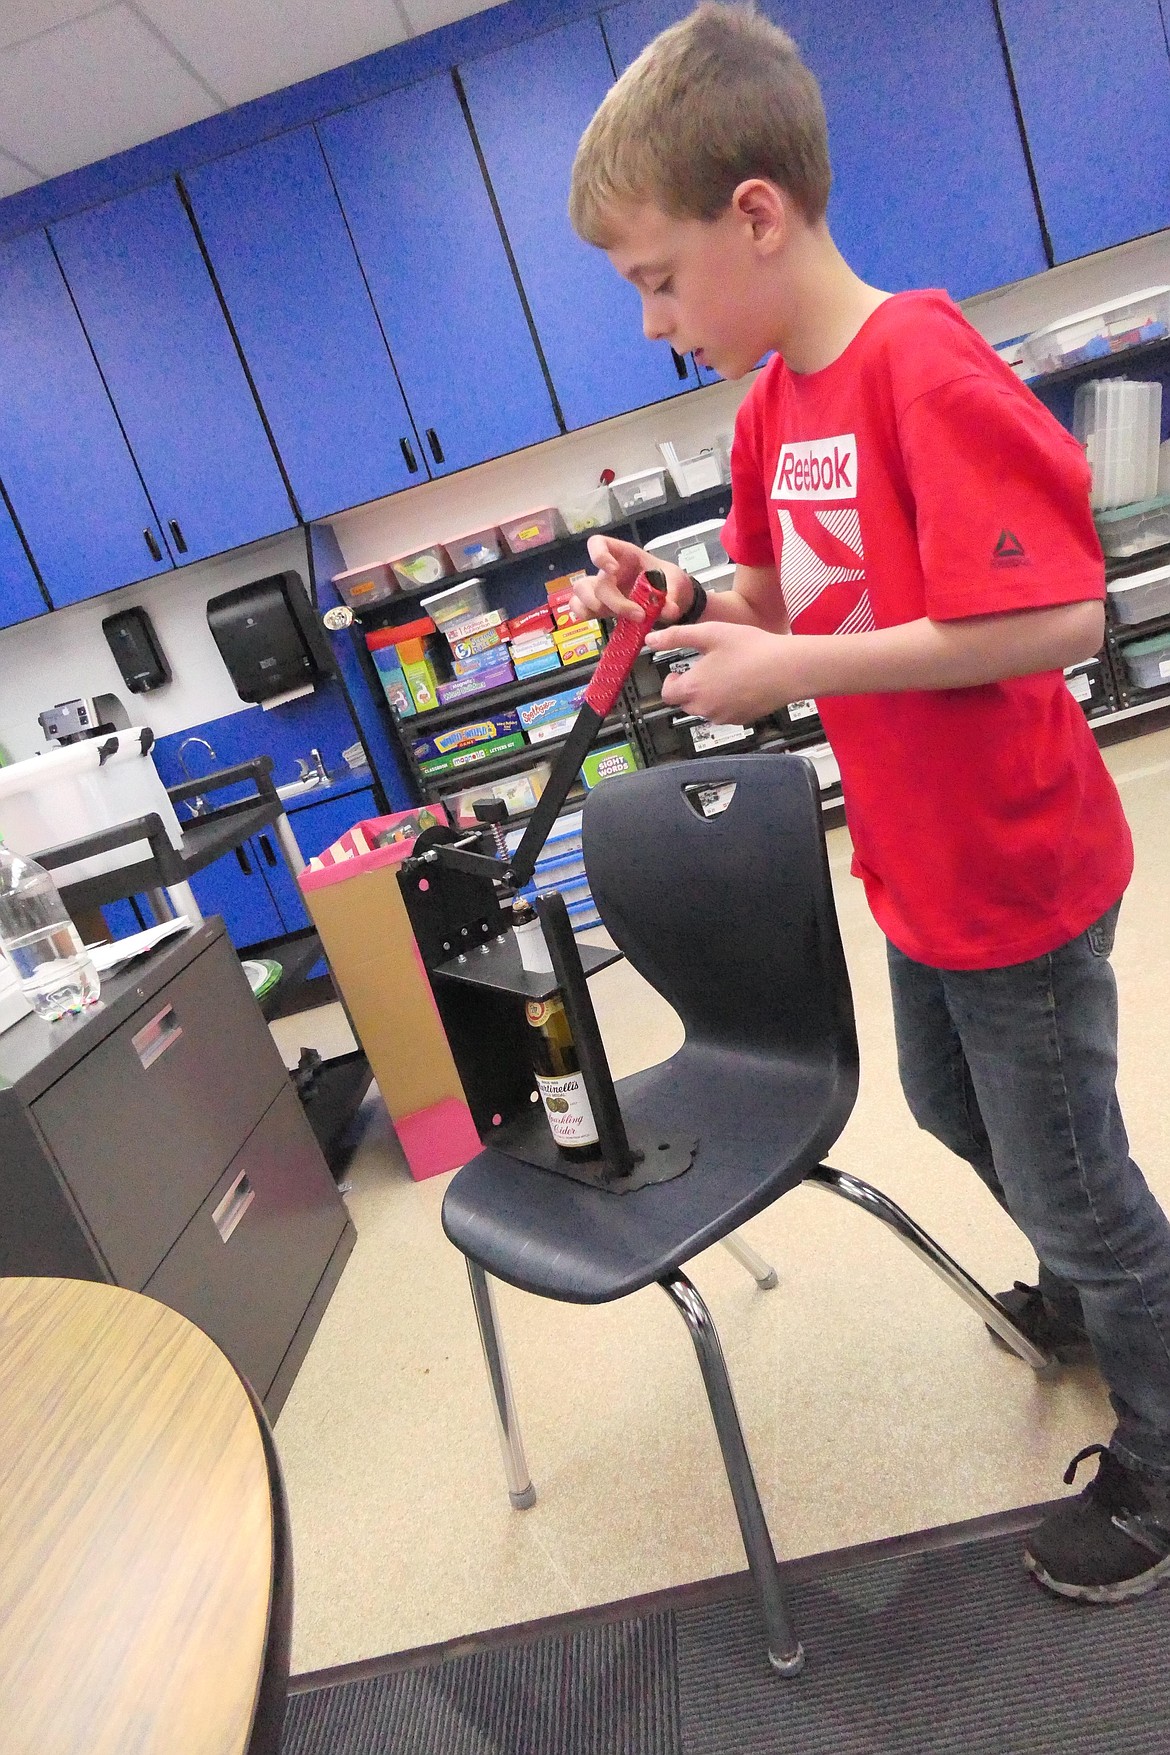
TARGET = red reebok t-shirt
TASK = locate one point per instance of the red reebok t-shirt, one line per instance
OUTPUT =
(916, 476)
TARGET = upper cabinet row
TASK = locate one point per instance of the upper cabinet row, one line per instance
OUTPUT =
(395, 293)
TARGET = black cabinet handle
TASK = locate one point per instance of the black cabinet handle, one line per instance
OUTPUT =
(408, 456)
(433, 442)
(242, 857)
(680, 365)
(180, 540)
(151, 541)
(266, 849)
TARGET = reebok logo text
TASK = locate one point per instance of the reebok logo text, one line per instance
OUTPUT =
(817, 469)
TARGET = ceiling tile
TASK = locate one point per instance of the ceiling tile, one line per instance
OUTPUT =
(91, 88)
(427, 15)
(245, 48)
(14, 176)
(27, 18)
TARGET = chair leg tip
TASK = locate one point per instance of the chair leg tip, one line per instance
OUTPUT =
(525, 1499)
(769, 1282)
(790, 1665)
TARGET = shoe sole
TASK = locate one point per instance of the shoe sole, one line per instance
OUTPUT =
(1126, 1590)
(1071, 1353)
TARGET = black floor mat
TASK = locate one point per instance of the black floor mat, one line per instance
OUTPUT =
(949, 1651)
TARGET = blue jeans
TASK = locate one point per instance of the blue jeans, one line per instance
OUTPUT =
(1015, 1070)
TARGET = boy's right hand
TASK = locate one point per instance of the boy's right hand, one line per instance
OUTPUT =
(606, 593)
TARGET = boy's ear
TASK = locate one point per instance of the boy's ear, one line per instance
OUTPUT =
(765, 208)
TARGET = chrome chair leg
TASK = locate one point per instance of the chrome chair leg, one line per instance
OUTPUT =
(762, 1273)
(520, 1489)
(872, 1200)
(785, 1652)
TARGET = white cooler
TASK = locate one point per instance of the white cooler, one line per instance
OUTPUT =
(79, 789)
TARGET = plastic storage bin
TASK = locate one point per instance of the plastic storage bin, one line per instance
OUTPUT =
(634, 493)
(456, 603)
(1087, 685)
(479, 549)
(362, 587)
(1141, 597)
(1099, 331)
(587, 511)
(534, 530)
(518, 791)
(426, 566)
(696, 549)
(1119, 424)
(1133, 529)
(1148, 661)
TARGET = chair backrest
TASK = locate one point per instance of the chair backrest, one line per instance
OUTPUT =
(729, 916)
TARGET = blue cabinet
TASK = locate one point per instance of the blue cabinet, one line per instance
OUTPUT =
(1093, 78)
(63, 458)
(530, 104)
(418, 209)
(287, 269)
(20, 595)
(235, 888)
(151, 312)
(930, 182)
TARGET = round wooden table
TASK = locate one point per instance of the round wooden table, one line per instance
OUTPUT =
(145, 1592)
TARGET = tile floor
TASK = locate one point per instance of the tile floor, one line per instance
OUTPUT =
(872, 1400)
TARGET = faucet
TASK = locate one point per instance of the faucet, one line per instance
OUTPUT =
(314, 770)
(197, 805)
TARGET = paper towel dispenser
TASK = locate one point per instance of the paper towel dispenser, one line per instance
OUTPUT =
(267, 637)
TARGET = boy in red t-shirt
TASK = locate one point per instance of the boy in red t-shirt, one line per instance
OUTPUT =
(914, 550)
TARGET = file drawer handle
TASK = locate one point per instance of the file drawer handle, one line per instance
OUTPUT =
(233, 1206)
(162, 1032)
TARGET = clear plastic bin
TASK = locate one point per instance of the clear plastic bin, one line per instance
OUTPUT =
(479, 549)
(457, 602)
(718, 578)
(634, 493)
(534, 530)
(426, 566)
(587, 511)
(696, 549)
(1148, 662)
(362, 587)
(1119, 423)
(1099, 331)
(1130, 530)
(1142, 597)
(519, 792)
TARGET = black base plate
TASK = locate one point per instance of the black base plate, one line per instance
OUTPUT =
(664, 1155)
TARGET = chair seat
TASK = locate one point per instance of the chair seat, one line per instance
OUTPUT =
(761, 1128)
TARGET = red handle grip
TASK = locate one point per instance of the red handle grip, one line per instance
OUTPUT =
(625, 643)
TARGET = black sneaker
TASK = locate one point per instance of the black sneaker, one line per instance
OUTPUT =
(1045, 1328)
(1110, 1543)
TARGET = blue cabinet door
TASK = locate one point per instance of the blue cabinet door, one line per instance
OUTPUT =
(292, 282)
(930, 182)
(234, 887)
(410, 184)
(159, 334)
(63, 458)
(20, 595)
(1094, 83)
(530, 104)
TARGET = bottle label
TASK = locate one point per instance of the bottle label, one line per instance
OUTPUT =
(566, 1104)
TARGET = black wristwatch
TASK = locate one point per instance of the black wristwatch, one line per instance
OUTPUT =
(698, 604)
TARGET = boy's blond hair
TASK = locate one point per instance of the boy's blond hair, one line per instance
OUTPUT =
(716, 99)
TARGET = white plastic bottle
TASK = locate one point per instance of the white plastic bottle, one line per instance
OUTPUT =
(42, 942)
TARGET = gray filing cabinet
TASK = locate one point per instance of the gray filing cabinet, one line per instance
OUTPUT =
(158, 1143)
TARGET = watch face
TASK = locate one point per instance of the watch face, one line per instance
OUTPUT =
(338, 618)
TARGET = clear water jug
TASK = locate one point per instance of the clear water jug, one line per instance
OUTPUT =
(41, 941)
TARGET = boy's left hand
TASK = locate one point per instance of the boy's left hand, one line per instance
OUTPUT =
(741, 675)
